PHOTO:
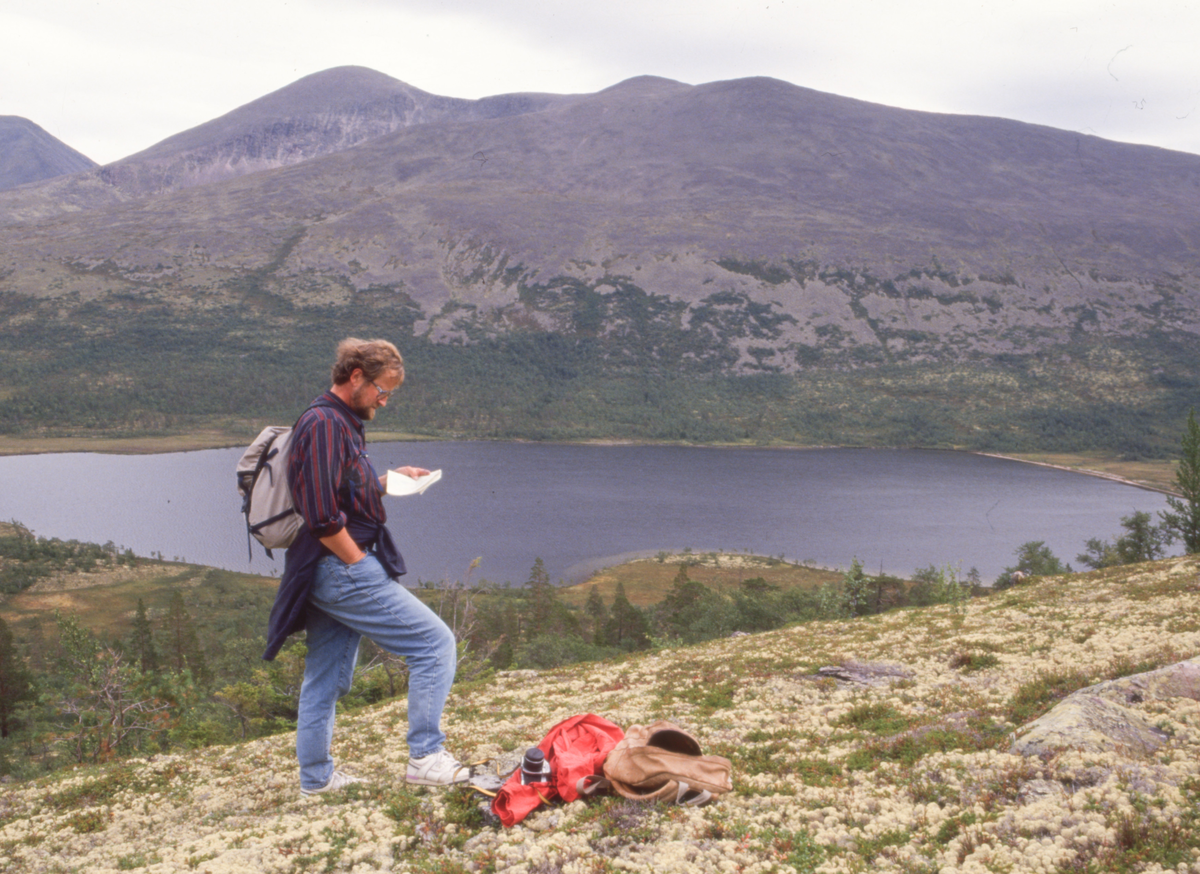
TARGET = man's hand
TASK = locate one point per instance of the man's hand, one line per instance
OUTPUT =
(413, 472)
(343, 546)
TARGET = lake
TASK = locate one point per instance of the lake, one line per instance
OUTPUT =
(580, 508)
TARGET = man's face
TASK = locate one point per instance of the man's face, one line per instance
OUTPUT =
(370, 395)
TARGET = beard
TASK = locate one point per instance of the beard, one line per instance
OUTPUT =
(364, 408)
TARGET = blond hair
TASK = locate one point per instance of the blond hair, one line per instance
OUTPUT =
(372, 357)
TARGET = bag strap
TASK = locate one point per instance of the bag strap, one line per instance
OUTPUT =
(585, 787)
(258, 469)
(689, 797)
(262, 462)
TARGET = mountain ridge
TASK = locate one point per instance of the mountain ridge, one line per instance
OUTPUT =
(826, 184)
(318, 114)
(738, 228)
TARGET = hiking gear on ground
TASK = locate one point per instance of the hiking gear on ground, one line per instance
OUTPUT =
(534, 767)
(337, 780)
(267, 504)
(437, 769)
(575, 749)
(662, 761)
(487, 784)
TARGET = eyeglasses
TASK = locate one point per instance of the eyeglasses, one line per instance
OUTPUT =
(384, 395)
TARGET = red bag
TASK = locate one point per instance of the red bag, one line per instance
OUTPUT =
(576, 749)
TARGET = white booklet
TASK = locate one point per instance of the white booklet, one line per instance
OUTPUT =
(402, 484)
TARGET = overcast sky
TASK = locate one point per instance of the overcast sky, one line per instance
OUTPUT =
(112, 77)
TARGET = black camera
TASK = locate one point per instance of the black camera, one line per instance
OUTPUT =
(534, 767)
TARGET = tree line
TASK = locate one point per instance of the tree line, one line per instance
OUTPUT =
(627, 367)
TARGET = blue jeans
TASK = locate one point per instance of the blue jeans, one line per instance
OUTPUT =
(345, 604)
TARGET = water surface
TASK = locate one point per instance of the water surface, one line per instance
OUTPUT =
(581, 507)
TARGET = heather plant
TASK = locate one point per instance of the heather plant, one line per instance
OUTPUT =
(1037, 695)
(969, 662)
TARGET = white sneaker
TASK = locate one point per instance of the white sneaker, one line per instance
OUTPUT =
(337, 780)
(437, 769)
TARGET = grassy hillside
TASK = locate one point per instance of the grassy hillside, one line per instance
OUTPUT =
(913, 775)
(648, 581)
(104, 594)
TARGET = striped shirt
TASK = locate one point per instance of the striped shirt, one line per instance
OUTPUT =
(334, 486)
(330, 474)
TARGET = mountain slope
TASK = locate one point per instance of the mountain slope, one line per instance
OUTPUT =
(29, 154)
(317, 115)
(734, 229)
(901, 757)
(833, 213)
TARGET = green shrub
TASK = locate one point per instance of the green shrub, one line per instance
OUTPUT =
(1035, 697)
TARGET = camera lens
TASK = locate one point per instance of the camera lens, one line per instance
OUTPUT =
(534, 767)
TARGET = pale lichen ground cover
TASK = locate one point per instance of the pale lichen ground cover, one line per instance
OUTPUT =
(914, 774)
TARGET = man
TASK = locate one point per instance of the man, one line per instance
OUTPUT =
(338, 580)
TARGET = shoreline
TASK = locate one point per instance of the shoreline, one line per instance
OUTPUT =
(204, 440)
(193, 442)
(1137, 484)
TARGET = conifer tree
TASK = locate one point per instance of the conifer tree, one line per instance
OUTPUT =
(16, 682)
(683, 604)
(597, 615)
(1185, 518)
(626, 626)
(542, 598)
(183, 645)
(141, 641)
(856, 588)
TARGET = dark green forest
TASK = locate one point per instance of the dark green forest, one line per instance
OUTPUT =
(133, 366)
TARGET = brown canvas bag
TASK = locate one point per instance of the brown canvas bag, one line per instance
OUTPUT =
(662, 761)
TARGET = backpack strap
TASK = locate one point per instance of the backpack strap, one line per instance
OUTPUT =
(252, 477)
(689, 797)
(268, 453)
(593, 784)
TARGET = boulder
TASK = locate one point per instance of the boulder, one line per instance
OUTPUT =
(1104, 717)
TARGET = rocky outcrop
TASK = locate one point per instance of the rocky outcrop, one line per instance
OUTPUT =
(864, 674)
(1106, 716)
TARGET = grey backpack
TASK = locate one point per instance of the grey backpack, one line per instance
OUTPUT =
(271, 516)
